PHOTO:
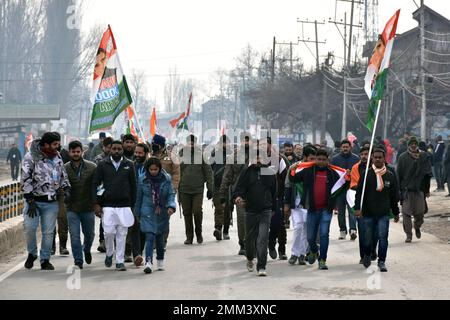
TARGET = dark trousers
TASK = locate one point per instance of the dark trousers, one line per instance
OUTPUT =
(101, 232)
(63, 225)
(447, 171)
(256, 236)
(361, 232)
(438, 174)
(193, 213)
(378, 226)
(342, 205)
(278, 230)
(14, 171)
(221, 214)
(151, 238)
(135, 240)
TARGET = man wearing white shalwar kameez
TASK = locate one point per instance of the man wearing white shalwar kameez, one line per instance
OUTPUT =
(115, 185)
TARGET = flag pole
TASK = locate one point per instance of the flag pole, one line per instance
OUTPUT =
(370, 153)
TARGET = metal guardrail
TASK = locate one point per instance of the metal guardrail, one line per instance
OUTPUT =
(11, 201)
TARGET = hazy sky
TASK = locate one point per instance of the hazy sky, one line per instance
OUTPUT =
(201, 36)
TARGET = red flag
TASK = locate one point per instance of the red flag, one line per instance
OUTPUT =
(153, 123)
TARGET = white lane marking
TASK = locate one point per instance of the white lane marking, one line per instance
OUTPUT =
(9, 273)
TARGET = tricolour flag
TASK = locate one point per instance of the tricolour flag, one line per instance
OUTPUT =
(110, 95)
(153, 123)
(378, 67)
(181, 122)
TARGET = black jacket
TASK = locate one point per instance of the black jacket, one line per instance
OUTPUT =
(308, 178)
(258, 190)
(119, 186)
(414, 175)
(378, 204)
(14, 156)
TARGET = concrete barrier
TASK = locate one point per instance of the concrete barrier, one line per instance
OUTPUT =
(12, 237)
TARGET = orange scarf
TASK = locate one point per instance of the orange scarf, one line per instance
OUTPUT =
(379, 173)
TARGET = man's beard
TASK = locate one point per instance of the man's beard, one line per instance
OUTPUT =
(140, 159)
(116, 158)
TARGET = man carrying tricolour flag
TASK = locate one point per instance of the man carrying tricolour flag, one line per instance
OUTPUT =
(110, 95)
(321, 184)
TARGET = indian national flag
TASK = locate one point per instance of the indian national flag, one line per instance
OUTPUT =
(378, 68)
(181, 122)
(342, 184)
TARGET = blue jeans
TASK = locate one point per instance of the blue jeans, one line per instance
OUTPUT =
(379, 227)
(361, 231)
(47, 213)
(87, 222)
(342, 205)
(150, 238)
(321, 218)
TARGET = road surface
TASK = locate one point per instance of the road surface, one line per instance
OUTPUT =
(215, 271)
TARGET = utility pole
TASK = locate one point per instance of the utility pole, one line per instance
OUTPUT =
(291, 54)
(423, 122)
(329, 61)
(316, 42)
(273, 58)
(347, 58)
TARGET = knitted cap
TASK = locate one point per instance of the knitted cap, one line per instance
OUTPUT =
(159, 140)
(413, 140)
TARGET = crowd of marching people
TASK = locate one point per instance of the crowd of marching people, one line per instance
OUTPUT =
(133, 188)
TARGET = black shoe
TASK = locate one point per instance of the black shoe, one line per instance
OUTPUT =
(447, 196)
(282, 256)
(374, 256)
(408, 240)
(88, 257)
(242, 251)
(293, 260)
(79, 265)
(382, 266)
(353, 235)
(418, 234)
(218, 234)
(226, 236)
(128, 259)
(188, 242)
(367, 261)
(30, 261)
(46, 265)
(63, 251)
(361, 261)
(273, 253)
(199, 239)
(302, 260)
(102, 248)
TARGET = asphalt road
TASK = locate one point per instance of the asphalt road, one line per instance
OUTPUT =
(215, 271)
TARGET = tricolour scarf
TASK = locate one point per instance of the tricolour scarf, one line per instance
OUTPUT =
(379, 174)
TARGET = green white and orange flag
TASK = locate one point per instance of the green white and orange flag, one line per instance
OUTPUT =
(340, 186)
(110, 95)
(378, 68)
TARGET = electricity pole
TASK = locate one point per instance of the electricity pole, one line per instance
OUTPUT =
(347, 58)
(423, 118)
(273, 58)
(329, 61)
(316, 42)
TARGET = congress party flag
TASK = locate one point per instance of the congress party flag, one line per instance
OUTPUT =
(110, 95)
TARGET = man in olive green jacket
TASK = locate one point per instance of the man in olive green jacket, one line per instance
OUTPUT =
(80, 211)
(236, 163)
(194, 172)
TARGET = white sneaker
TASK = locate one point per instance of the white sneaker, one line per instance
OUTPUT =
(160, 265)
(343, 235)
(262, 273)
(148, 268)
